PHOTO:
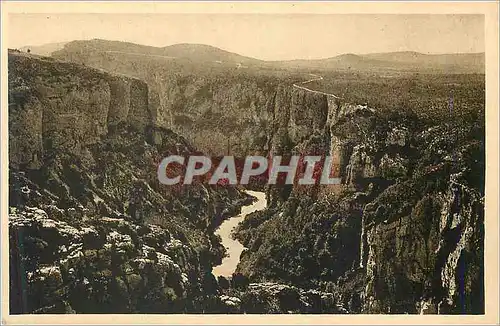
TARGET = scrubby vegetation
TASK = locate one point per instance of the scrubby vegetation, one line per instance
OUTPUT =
(393, 238)
(433, 98)
(409, 212)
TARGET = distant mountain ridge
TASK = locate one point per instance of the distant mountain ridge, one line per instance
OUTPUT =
(404, 60)
(470, 59)
(194, 52)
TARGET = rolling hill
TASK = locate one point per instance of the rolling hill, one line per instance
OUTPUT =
(192, 52)
(201, 53)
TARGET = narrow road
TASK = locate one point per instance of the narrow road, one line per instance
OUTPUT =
(315, 78)
(296, 85)
(233, 247)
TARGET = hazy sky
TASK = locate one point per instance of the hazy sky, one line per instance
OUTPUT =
(263, 36)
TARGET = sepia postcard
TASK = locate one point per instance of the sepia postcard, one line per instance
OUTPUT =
(249, 163)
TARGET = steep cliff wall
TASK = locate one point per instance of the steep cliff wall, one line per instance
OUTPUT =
(403, 233)
(219, 114)
(58, 105)
(91, 230)
(216, 106)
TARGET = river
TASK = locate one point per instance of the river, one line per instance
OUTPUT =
(233, 247)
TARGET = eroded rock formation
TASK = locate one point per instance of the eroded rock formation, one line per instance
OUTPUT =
(91, 230)
(404, 231)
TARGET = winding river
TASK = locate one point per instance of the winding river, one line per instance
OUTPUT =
(233, 247)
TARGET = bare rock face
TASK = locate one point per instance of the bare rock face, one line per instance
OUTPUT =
(280, 298)
(298, 115)
(120, 100)
(422, 247)
(139, 114)
(298, 128)
(276, 298)
(98, 266)
(62, 106)
(308, 114)
(361, 165)
(404, 231)
(91, 230)
(203, 103)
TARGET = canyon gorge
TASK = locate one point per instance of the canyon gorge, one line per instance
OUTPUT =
(91, 230)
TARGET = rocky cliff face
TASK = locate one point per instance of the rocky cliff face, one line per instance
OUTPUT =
(91, 230)
(216, 106)
(62, 105)
(403, 233)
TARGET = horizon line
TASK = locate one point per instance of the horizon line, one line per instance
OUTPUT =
(244, 55)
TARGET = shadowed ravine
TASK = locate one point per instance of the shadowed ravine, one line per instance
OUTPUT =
(92, 229)
(234, 247)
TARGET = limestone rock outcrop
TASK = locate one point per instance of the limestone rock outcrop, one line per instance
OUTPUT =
(91, 230)
(403, 233)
